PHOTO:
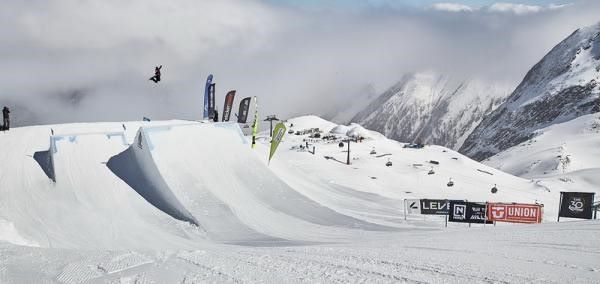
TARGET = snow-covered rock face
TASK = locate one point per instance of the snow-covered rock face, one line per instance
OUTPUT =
(431, 108)
(568, 149)
(561, 87)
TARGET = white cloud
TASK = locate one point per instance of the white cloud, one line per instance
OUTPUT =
(519, 9)
(451, 7)
(83, 60)
(500, 7)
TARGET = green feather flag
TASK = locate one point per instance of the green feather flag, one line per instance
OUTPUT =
(278, 133)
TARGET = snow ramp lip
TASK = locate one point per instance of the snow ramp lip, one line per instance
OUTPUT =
(136, 168)
(45, 159)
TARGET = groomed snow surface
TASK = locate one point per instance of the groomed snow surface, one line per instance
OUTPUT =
(188, 202)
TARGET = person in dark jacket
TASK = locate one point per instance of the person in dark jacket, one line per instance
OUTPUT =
(5, 118)
(156, 77)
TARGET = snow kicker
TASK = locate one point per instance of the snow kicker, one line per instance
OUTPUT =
(136, 168)
(232, 194)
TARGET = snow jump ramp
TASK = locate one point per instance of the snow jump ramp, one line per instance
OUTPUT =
(88, 206)
(213, 174)
(135, 167)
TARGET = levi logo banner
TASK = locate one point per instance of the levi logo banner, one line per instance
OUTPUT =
(514, 212)
(435, 206)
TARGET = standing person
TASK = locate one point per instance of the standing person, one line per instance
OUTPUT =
(156, 77)
(5, 118)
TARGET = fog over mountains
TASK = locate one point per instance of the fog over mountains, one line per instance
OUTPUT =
(561, 87)
(57, 70)
(431, 108)
(483, 118)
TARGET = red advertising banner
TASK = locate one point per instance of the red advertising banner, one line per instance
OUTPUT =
(514, 212)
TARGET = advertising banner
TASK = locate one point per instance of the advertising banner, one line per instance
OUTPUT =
(514, 212)
(211, 101)
(228, 105)
(278, 133)
(413, 206)
(243, 111)
(435, 206)
(206, 95)
(576, 205)
(255, 123)
(467, 212)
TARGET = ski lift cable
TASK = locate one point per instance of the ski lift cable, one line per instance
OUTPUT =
(476, 182)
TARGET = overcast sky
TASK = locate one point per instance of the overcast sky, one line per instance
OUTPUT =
(68, 61)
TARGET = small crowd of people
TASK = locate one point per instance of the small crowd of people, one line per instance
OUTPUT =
(5, 119)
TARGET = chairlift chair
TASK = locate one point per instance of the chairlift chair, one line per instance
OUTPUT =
(450, 183)
(431, 171)
(389, 163)
(373, 152)
(494, 189)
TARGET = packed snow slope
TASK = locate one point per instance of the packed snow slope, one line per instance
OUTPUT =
(87, 206)
(88, 185)
(185, 201)
(432, 108)
(366, 187)
(562, 86)
(168, 184)
(547, 253)
(212, 170)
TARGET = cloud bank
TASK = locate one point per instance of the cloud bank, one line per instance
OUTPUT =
(500, 7)
(69, 61)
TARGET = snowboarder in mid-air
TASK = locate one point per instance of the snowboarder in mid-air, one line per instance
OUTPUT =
(5, 118)
(156, 77)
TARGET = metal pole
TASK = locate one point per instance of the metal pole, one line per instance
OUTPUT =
(271, 128)
(348, 157)
(485, 214)
(404, 209)
(446, 217)
(559, 206)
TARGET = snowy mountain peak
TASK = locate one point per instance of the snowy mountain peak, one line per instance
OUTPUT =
(574, 61)
(561, 87)
(432, 108)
